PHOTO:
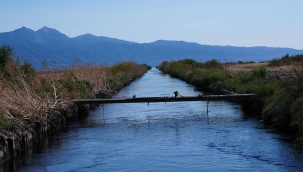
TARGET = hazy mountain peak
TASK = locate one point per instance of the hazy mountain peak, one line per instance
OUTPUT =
(24, 35)
(182, 44)
(47, 29)
(24, 30)
(50, 34)
(87, 35)
(92, 39)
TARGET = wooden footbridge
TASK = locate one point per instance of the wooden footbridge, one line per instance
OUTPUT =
(165, 99)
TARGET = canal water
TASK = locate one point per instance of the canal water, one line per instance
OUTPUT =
(175, 136)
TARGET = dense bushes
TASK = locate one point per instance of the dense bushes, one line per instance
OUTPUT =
(200, 74)
(122, 74)
(212, 74)
(284, 108)
(286, 60)
(250, 82)
(5, 56)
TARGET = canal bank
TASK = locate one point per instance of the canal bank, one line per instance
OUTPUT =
(55, 96)
(278, 99)
(174, 136)
(28, 134)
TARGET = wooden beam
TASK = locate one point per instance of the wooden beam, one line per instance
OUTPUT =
(164, 99)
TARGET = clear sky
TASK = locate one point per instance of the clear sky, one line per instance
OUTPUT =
(274, 23)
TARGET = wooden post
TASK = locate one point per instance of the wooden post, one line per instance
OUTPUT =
(207, 112)
(207, 107)
(103, 114)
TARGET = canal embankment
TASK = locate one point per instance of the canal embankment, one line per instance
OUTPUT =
(36, 105)
(278, 97)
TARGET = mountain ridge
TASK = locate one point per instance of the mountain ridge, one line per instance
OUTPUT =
(51, 45)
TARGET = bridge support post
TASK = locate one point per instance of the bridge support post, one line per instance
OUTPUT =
(207, 111)
(103, 114)
(207, 108)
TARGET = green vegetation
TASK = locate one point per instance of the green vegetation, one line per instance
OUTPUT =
(199, 74)
(30, 96)
(286, 60)
(5, 123)
(5, 56)
(278, 102)
(284, 108)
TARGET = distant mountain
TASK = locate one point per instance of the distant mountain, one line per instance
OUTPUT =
(51, 45)
(92, 39)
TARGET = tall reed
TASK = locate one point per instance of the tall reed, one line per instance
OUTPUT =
(38, 95)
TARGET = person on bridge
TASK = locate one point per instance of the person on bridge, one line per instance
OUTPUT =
(176, 94)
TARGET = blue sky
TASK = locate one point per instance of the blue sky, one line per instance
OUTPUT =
(274, 23)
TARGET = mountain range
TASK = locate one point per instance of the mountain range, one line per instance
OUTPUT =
(52, 45)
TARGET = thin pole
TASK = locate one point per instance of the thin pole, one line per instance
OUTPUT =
(207, 112)
(207, 107)
(103, 114)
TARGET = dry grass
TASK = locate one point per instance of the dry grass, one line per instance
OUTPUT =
(43, 93)
(23, 96)
(248, 66)
(293, 66)
(19, 99)
(95, 74)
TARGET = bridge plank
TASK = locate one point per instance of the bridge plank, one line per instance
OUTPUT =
(164, 99)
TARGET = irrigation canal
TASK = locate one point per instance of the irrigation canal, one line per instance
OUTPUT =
(172, 136)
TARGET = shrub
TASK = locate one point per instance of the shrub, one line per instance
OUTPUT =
(286, 60)
(6, 123)
(199, 74)
(284, 108)
(5, 56)
(217, 76)
(259, 72)
(213, 64)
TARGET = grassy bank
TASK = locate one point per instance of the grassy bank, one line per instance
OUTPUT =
(278, 102)
(28, 96)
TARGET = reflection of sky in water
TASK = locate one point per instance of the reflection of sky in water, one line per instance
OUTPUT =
(154, 84)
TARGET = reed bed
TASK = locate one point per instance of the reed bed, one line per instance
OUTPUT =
(37, 95)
